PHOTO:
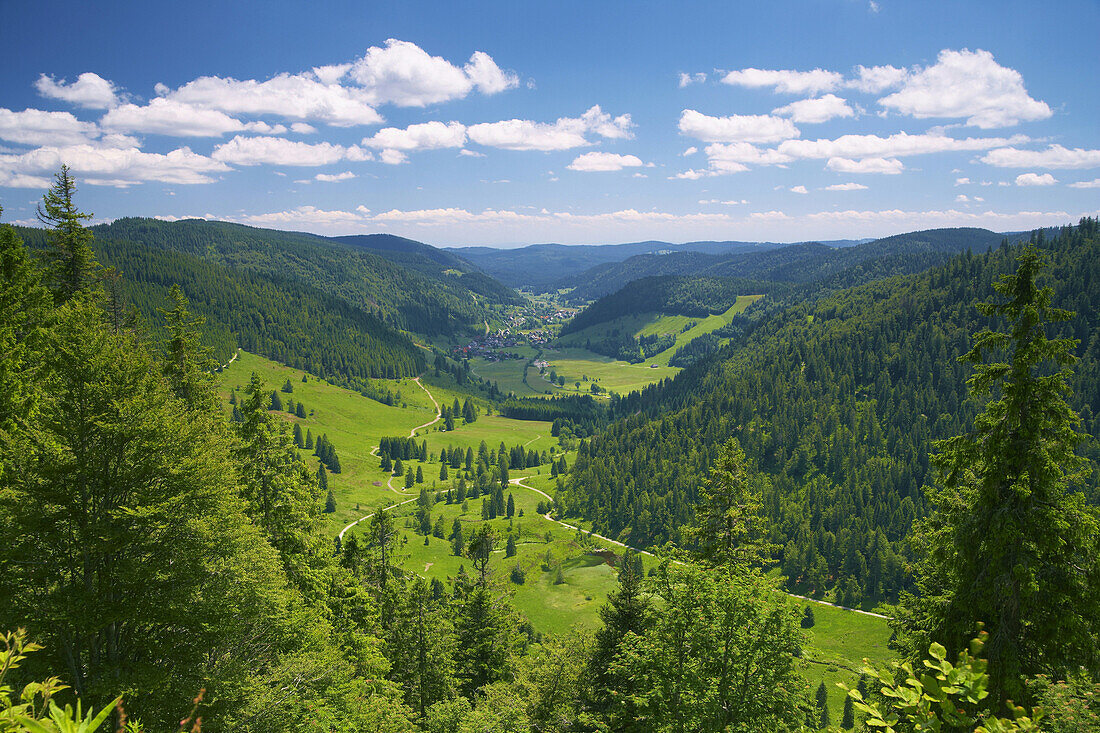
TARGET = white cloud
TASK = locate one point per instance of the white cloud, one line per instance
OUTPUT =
(290, 96)
(689, 79)
(971, 85)
(888, 166)
(819, 109)
(334, 177)
(846, 187)
(90, 90)
(878, 78)
(1055, 156)
(592, 162)
(873, 6)
(897, 145)
(393, 157)
(471, 153)
(565, 133)
(1034, 179)
(721, 154)
(424, 136)
(962, 198)
(36, 127)
(302, 215)
(736, 128)
(785, 80)
(768, 216)
(404, 74)
(277, 151)
(1094, 183)
(695, 175)
(302, 128)
(962, 181)
(690, 151)
(105, 166)
(21, 180)
(169, 117)
(798, 189)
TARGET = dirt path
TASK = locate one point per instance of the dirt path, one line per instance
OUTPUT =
(519, 482)
(389, 481)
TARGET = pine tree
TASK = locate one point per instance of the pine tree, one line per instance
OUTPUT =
(511, 506)
(410, 478)
(848, 721)
(510, 546)
(287, 386)
(398, 468)
(443, 472)
(420, 647)
(322, 477)
(309, 439)
(275, 403)
(808, 618)
(822, 699)
(1010, 544)
(188, 366)
(300, 410)
(419, 475)
(73, 266)
(385, 463)
(330, 503)
(298, 435)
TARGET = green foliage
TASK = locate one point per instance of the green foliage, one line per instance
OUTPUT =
(73, 266)
(945, 697)
(1011, 543)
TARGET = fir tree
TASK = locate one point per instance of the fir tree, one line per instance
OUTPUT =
(73, 265)
(275, 403)
(511, 506)
(1010, 544)
(419, 475)
(443, 472)
(510, 546)
(330, 503)
(822, 699)
(298, 436)
(309, 440)
(300, 410)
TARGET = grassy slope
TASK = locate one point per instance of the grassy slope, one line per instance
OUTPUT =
(573, 363)
(354, 423)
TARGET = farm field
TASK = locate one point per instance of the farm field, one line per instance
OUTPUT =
(575, 363)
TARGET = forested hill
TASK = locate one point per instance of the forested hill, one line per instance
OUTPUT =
(698, 297)
(836, 403)
(402, 297)
(433, 262)
(796, 263)
(545, 266)
(279, 317)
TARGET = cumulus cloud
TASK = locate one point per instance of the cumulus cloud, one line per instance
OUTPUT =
(1054, 156)
(846, 187)
(1094, 183)
(798, 189)
(37, 127)
(962, 181)
(90, 90)
(785, 80)
(404, 74)
(121, 166)
(888, 166)
(819, 109)
(424, 136)
(971, 85)
(334, 177)
(736, 128)
(290, 96)
(878, 78)
(594, 162)
(393, 157)
(303, 215)
(565, 133)
(1034, 179)
(302, 128)
(689, 79)
(720, 154)
(176, 119)
(277, 151)
(897, 145)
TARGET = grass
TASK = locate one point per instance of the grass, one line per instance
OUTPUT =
(837, 645)
(575, 363)
(508, 375)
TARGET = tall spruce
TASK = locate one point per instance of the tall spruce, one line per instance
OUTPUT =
(73, 265)
(1011, 544)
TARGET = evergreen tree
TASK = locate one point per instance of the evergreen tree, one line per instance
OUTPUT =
(330, 502)
(727, 515)
(808, 618)
(287, 386)
(420, 647)
(322, 477)
(510, 546)
(385, 463)
(298, 442)
(188, 366)
(822, 699)
(410, 478)
(848, 721)
(398, 468)
(443, 472)
(300, 410)
(309, 440)
(419, 475)
(275, 403)
(1011, 544)
(73, 264)
(511, 506)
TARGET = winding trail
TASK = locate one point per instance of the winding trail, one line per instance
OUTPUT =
(519, 482)
(389, 481)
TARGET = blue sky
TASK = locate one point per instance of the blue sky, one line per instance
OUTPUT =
(511, 123)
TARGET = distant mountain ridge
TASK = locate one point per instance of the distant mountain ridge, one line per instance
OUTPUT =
(544, 266)
(794, 263)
